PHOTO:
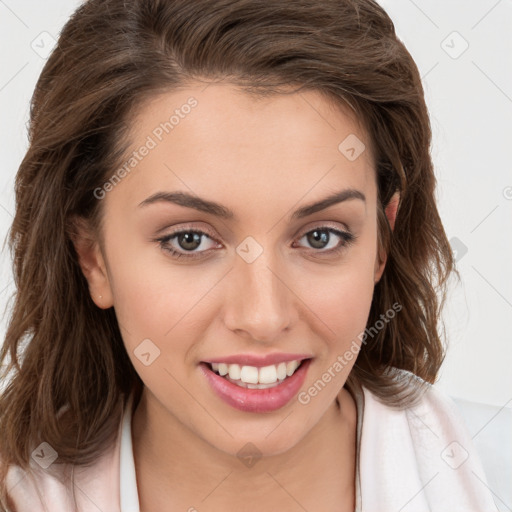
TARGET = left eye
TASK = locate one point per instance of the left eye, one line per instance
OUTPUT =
(322, 235)
(190, 240)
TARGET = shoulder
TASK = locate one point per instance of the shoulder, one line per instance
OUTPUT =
(420, 457)
(431, 412)
(43, 487)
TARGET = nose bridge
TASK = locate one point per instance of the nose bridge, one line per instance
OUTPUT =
(260, 303)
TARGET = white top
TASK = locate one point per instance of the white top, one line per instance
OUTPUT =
(128, 483)
(419, 459)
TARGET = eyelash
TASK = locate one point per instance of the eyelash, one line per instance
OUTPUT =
(347, 240)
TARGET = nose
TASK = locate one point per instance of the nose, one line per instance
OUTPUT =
(260, 304)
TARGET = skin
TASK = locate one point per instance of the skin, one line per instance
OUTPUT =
(262, 158)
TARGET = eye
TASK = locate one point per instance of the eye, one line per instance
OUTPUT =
(186, 242)
(322, 238)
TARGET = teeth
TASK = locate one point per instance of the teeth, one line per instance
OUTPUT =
(268, 374)
(249, 375)
(291, 366)
(254, 376)
(234, 371)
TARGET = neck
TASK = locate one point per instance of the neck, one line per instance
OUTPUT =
(174, 465)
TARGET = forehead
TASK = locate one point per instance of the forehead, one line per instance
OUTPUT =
(219, 140)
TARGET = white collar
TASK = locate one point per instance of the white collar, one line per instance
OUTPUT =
(128, 481)
(398, 452)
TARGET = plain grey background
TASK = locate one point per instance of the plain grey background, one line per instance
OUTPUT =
(462, 50)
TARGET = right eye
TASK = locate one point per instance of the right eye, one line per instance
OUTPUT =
(186, 243)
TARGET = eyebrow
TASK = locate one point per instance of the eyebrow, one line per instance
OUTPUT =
(191, 201)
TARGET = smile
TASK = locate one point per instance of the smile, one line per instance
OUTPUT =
(252, 377)
(256, 389)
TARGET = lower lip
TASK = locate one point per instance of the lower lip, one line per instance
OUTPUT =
(256, 400)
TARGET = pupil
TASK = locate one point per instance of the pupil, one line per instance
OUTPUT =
(190, 238)
(319, 238)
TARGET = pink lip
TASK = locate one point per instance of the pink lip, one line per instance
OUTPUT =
(256, 400)
(259, 361)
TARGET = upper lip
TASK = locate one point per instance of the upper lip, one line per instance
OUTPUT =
(258, 360)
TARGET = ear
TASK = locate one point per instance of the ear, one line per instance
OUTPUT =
(91, 261)
(391, 211)
(392, 208)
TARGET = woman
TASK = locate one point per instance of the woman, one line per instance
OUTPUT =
(228, 258)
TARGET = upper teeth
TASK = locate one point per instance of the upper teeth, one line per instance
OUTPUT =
(253, 375)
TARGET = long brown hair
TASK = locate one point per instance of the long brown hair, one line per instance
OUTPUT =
(112, 55)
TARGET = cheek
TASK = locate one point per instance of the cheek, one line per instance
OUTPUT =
(345, 305)
(151, 297)
(155, 311)
(342, 296)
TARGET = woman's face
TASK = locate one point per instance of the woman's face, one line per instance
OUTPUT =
(258, 273)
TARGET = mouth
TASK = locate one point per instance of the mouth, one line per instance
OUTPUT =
(257, 377)
(256, 388)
